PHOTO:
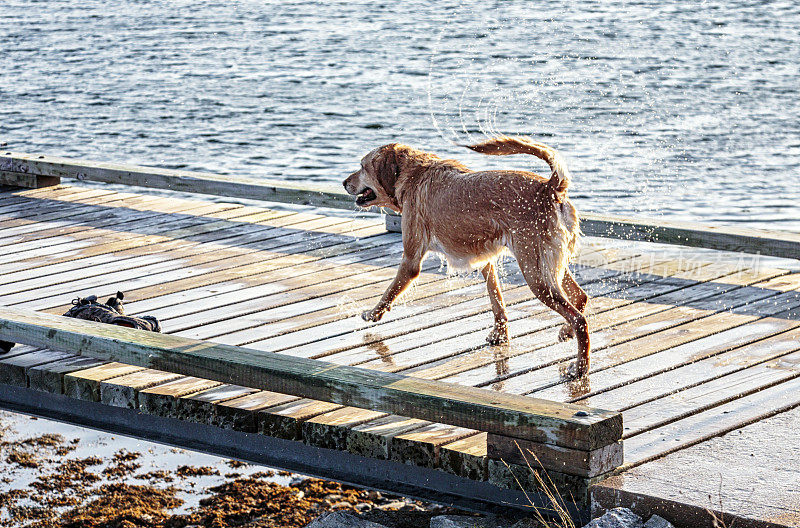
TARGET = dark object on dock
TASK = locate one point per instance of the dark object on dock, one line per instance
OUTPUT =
(111, 312)
(6, 346)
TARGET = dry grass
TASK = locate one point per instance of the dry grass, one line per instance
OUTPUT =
(557, 515)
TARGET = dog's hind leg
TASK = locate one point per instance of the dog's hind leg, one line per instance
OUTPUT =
(577, 297)
(499, 333)
(548, 290)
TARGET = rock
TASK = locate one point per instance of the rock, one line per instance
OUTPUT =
(462, 521)
(342, 519)
(394, 505)
(617, 518)
(658, 522)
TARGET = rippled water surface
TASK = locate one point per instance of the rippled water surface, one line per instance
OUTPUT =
(676, 108)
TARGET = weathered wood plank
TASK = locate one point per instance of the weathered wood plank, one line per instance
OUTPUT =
(696, 399)
(373, 439)
(164, 399)
(200, 407)
(241, 413)
(570, 488)
(50, 376)
(330, 430)
(561, 459)
(13, 368)
(285, 420)
(121, 391)
(176, 180)
(391, 393)
(615, 382)
(702, 367)
(712, 422)
(32, 181)
(421, 447)
(610, 328)
(466, 457)
(85, 384)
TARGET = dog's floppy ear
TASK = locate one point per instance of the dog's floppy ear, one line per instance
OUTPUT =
(387, 169)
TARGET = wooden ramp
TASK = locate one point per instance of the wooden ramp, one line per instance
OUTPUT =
(687, 349)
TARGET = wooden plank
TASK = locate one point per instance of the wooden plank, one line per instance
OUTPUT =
(330, 430)
(712, 422)
(121, 391)
(616, 382)
(569, 488)
(177, 180)
(285, 420)
(373, 439)
(200, 407)
(510, 415)
(701, 368)
(561, 459)
(252, 268)
(148, 276)
(32, 181)
(662, 323)
(13, 369)
(165, 399)
(50, 376)
(466, 457)
(422, 447)
(85, 384)
(762, 242)
(714, 392)
(352, 341)
(240, 413)
(448, 358)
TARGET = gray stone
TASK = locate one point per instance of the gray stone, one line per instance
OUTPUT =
(658, 522)
(340, 519)
(462, 521)
(617, 518)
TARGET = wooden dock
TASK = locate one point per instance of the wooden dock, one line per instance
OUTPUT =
(686, 348)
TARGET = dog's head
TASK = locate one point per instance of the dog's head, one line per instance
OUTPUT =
(374, 184)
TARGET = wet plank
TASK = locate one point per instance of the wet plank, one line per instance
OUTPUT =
(713, 422)
(699, 368)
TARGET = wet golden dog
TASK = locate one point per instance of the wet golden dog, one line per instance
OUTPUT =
(471, 217)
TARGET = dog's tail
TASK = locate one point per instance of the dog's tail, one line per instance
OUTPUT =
(505, 145)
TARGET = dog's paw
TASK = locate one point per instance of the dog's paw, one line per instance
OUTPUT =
(498, 335)
(577, 370)
(565, 333)
(372, 316)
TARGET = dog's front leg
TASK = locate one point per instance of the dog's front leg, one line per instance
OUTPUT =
(408, 272)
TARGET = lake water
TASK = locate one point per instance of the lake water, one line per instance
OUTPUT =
(681, 109)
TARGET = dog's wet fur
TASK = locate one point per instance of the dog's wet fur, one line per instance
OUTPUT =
(471, 217)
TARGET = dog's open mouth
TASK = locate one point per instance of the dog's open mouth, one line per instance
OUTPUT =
(365, 196)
